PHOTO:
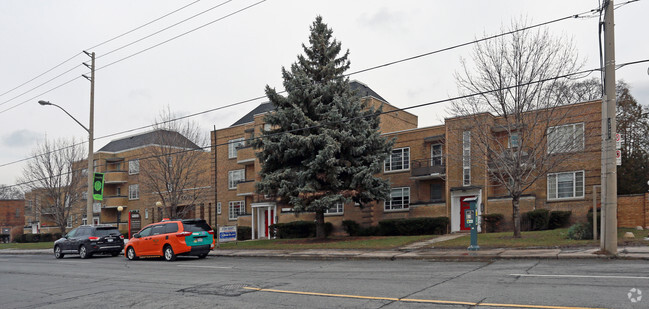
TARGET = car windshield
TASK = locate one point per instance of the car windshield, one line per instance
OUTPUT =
(101, 232)
(196, 226)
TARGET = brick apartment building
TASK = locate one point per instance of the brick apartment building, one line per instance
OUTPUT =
(123, 162)
(425, 169)
(12, 216)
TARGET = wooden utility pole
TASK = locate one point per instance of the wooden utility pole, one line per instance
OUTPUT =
(91, 127)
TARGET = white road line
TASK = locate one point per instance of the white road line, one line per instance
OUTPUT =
(74, 262)
(580, 276)
(202, 266)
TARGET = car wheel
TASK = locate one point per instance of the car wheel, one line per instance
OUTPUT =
(83, 252)
(130, 254)
(114, 253)
(57, 252)
(169, 254)
(202, 256)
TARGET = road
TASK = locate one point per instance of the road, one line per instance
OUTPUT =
(35, 281)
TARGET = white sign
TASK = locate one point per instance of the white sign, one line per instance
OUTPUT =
(618, 157)
(227, 233)
(618, 141)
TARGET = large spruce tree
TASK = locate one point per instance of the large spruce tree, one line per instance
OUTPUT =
(323, 146)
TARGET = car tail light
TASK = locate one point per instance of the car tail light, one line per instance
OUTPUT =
(183, 234)
(93, 238)
(211, 232)
(121, 236)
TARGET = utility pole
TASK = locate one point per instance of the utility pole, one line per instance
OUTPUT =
(91, 126)
(609, 168)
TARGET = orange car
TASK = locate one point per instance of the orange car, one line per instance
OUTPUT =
(171, 238)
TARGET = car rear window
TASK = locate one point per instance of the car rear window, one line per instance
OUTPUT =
(196, 226)
(171, 228)
(101, 232)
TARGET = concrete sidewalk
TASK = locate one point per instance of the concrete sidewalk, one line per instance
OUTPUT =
(415, 253)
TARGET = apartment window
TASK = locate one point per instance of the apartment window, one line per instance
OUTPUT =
(146, 213)
(84, 195)
(236, 208)
(233, 144)
(435, 192)
(84, 172)
(235, 177)
(218, 208)
(566, 185)
(514, 140)
(118, 191)
(170, 161)
(466, 158)
(399, 160)
(436, 155)
(336, 209)
(134, 167)
(399, 199)
(68, 222)
(133, 192)
(566, 138)
(17, 212)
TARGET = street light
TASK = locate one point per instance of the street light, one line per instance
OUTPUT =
(89, 198)
(119, 214)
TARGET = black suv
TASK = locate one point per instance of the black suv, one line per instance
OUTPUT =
(87, 240)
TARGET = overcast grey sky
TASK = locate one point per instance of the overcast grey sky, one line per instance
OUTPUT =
(231, 60)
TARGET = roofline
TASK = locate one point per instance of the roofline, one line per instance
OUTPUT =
(150, 145)
(530, 111)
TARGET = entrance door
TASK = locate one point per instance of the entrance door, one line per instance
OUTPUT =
(266, 223)
(464, 206)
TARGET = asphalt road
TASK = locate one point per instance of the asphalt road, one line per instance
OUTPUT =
(35, 281)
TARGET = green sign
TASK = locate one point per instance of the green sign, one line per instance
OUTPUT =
(98, 187)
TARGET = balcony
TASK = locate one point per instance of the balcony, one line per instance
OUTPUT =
(246, 155)
(246, 187)
(118, 177)
(114, 201)
(427, 169)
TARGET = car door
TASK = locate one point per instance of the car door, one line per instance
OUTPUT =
(157, 239)
(79, 236)
(65, 244)
(142, 244)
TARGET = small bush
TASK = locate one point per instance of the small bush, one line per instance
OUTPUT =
(352, 227)
(298, 229)
(58, 235)
(46, 237)
(538, 219)
(413, 226)
(559, 219)
(33, 238)
(580, 231)
(493, 222)
(21, 239)
(373, 230)
(244, 232)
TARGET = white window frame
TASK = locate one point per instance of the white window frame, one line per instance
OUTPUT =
(68, 223)
(134, 192)
(578, 190)
(336, 209)
(235, 177)
(517, 138)
(433, 155)
(405, 200)
(232, 146)
(232, 215)
(573, 141)
(405, 160)
(466, 158)
(134, 167)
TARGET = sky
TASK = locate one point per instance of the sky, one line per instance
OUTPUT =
(231, 52)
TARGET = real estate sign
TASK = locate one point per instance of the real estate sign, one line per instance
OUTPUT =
(227, 233)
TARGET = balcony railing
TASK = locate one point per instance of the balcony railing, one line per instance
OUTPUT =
(114, 201)
(246, 187)
(246, 155)
(427, 169)
(115, 177)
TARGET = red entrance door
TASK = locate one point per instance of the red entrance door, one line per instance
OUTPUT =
(272, 215)
(464, 206)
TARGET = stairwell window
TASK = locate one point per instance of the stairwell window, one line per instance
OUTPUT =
(514, 140)
(466, 158)
(399, 199)
(566, 138)
(236, 208)
(233, 144)
(567, 185)
(134, 167)
(436, 155)
(399, 160)
(134, 192)
(235, 177)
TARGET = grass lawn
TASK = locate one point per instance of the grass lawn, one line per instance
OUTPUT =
(538, 239)
(370, 242)
(35, 245)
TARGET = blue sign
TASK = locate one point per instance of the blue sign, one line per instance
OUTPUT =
(227, 233)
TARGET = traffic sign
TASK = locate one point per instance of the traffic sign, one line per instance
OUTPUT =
(618, 157)
(618, 141)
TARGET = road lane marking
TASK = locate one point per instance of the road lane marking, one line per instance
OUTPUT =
(413, 300)
(203, 266)
(580, 276)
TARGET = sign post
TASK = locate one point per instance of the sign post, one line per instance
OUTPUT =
(134, 223)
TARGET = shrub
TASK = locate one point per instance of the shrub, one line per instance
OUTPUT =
(493, 222)
(33, 238)
(352, 227)
(373, 230)
(580, 231)
(46, 237)
(589, 217)
(58, 235)
(559, 219)
(413, 226)
(297, 229)
(244, 232)
(538, 219)
(21, 239)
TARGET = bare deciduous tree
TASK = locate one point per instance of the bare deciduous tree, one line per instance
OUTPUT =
(176, 168)
(55, 175)
(10, 193)
(519, 76)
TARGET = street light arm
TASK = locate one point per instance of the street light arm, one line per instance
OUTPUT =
(75, 119)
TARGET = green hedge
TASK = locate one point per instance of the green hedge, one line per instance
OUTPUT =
(244, 232)
(413, 226)
(297, 229)
(559, 219)
(352, 227)
(493, 222)
(538, 219)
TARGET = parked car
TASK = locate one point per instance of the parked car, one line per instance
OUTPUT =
(87, 240)
(171, 238)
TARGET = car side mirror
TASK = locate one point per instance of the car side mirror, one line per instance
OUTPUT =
(136, 235)
(65, 236)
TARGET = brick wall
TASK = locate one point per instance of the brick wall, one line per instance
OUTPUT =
(632, 210)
